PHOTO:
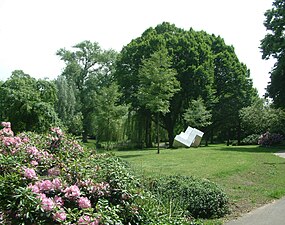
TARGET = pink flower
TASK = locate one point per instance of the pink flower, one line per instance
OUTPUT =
(41, 196)
(72, 192)
(58, 200)
(84, 220)
(47, 204)
(96, 222)
(84, 203)
(34, 188)
(30, 173)
(46, 185)
(25, 140)
(56, 183)
(54, 171)
(57, 130)
(59, 216)
(6, 124)
(34, 163)
(8, 141)
(32, 151)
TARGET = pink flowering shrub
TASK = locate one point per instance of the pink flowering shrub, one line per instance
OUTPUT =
(84, 203)
(51, 179)
(30, 173)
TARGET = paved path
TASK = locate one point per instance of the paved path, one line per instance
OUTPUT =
(270, 214)
(280, 154)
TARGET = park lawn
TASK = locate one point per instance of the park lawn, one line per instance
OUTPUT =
(250, 175)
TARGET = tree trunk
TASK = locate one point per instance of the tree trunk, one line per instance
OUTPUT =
(84, 136)
(170, 137)
(85, 129)
(157, 132)
(148, 141)
(212, 136)
(228, 137)
(238, 134)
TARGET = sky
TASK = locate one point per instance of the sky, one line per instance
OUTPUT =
(31, 31)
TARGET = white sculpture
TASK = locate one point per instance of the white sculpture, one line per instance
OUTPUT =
(191, 137)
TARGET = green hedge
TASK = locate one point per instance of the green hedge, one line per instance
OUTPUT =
(199, 198)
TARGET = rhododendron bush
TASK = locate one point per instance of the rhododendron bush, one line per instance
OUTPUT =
(50, 179)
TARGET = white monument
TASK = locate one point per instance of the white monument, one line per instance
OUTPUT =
(191, 137)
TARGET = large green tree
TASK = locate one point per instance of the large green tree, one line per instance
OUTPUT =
(206, 68)
(273, 44)
(157, 85)
(28, 103)
(191, 57)
(84, 62)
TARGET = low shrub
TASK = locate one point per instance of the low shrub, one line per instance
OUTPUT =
(269, 139)
(250, 140)
(198, 198)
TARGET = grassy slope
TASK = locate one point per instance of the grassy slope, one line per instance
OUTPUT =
(250, 175)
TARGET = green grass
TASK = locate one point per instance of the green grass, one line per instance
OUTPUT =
(250, 175)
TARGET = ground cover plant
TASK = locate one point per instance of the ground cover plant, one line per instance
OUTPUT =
(51, 179)
(250, 175)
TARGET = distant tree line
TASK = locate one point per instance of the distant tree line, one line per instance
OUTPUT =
(161, 82)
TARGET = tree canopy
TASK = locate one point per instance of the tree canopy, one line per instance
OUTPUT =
(86, 62)
(28, 103)
(273, 44)
(206, 68)
(157, 85)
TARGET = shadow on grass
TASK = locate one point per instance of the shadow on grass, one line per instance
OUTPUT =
(129, 156)
(253, 149)
(274, 163)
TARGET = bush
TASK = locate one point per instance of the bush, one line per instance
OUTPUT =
(198, 197)
(51, 179)
(268, 139)
(251, 139)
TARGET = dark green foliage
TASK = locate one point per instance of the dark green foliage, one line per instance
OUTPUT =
(233, 90)
(197, 197)
(251, 139)
(28, 103)
(273, 44)
(206, 68)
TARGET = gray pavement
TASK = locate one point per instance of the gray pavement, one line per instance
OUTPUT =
(270, 214)
(280, 154)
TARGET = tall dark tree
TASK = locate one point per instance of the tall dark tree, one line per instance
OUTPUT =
(273, 44)
(233, 89)
(85, 61)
